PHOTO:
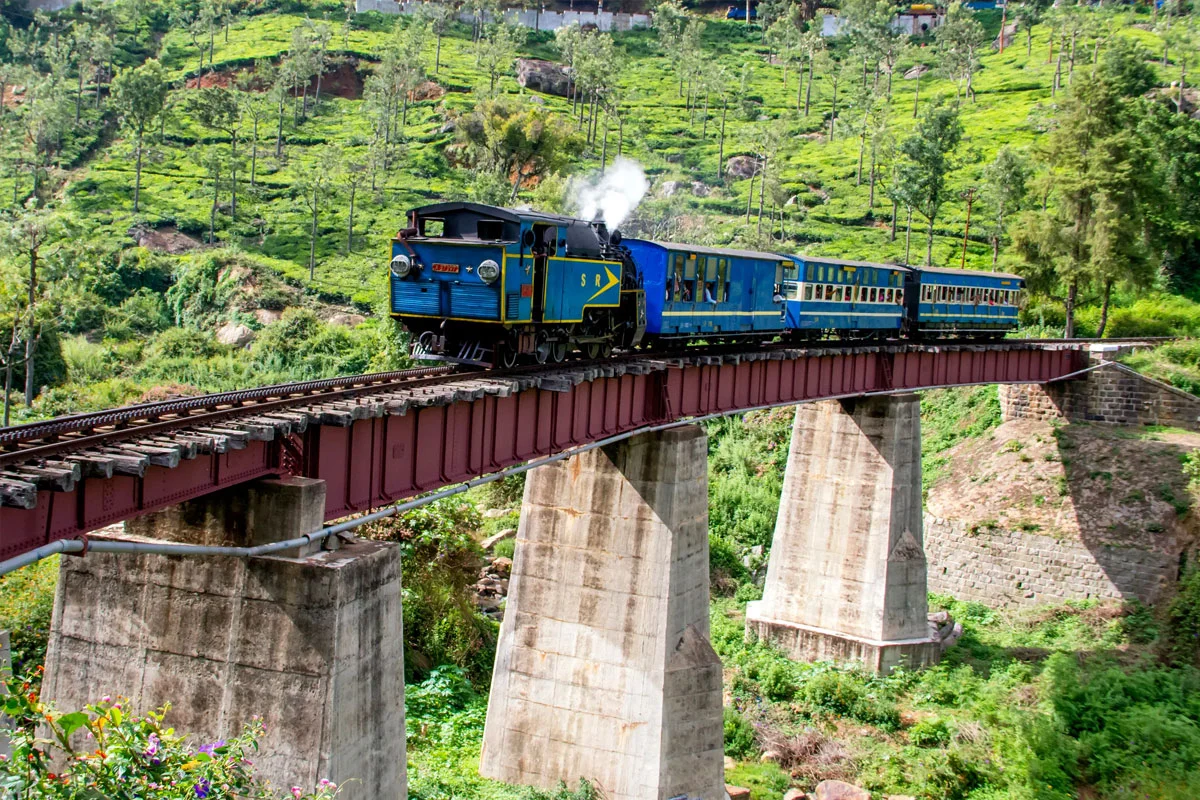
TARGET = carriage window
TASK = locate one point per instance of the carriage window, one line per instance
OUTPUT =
(899, 297)
(722, 281)
(840, 293)
(433, 227)
(808, 291)
(678, 293)
(710, 280)
(808, 272)
(689, 279)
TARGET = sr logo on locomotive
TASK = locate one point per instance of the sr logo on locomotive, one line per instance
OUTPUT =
(487, 285)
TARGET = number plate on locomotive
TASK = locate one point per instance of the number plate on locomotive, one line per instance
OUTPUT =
(445, 267)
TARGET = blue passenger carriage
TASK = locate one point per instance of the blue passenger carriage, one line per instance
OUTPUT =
(837, 296)
(476, 283)
(708, 292)
(945, 302)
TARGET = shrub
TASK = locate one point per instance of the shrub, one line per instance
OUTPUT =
(1181, 629)
(739, 735)
(26, 603)
(930, 733)
(125, 756)
(847, 694)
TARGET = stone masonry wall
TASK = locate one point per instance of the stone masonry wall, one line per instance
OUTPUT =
(1113, 394)
(1016, 568)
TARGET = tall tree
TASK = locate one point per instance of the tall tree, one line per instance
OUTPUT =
(959, 42)
(927, 161)
(217, 109)
(1004, 187)
(139, 96)
(27, 234)
(1092, 231)
(314, 182)
(515, 141)
(353, 174)
(497, 50)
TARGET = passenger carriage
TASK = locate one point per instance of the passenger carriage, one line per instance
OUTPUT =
(849, 297)
(959, 302)
(697, 292)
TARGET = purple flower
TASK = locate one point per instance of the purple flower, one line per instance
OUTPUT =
(210, 749)
(202, 788)
(151, 745)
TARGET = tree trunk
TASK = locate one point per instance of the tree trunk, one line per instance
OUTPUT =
(1028, 41)
(800, 87)
(721, 146)
(995, 251)
(1071, 59)
(929, 244)
(1104, 310)
(30, 339)
(350, 233)
(1182, 84)
(833, 112)
(808, 88)
(437, 55)
(871, 179)
(620, 134)
(1057, 74)
(917, 96)
(862, 150)
(750, 197)
(254, 156)
(78, 94)
(312, 240)
(908, 236)
(233, 176)
(8, 386)
(762, 189)
(704, 125)
(1069, 308)
(604, 147)
(137, 175)
(895, 213)
(279, 130)
(212, 215)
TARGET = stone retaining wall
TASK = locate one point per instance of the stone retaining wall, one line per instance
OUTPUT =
(1113, 394)
(1015, 568)
(527, 18)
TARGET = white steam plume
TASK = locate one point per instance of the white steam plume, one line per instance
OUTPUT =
(612, 196)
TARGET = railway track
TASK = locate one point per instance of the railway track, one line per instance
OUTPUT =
(56, 454)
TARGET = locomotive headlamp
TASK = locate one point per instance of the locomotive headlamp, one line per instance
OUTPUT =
(401, 266)
(489, 270)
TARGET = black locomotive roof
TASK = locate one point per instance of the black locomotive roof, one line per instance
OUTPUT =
(505, 214)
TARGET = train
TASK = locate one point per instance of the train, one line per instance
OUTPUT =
(491, 286)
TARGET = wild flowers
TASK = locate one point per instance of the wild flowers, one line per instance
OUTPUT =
(105, 751)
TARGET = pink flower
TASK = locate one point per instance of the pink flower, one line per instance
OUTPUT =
(296, 791)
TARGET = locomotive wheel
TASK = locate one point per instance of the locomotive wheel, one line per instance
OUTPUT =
(542, 347)
(508, 357)
(558, 352)
(593, 350)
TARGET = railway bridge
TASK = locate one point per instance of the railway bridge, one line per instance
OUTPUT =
(229, 594)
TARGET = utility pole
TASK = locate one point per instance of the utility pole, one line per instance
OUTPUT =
(969, 195)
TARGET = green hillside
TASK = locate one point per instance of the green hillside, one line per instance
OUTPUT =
(107, 306)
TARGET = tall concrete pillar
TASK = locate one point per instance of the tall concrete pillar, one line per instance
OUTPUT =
(313, 643)
(604, 669)
(846, 576)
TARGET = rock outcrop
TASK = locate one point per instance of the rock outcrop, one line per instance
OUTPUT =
(544, 76)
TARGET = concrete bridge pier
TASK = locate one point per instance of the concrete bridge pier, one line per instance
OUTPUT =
(846, 580)
(604, 669)
(310, 641)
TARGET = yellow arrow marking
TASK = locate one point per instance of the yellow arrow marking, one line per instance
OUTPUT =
(613, 280)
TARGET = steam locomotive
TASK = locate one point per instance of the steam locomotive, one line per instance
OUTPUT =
(485, 285)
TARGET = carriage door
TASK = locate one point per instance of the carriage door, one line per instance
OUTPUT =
(544, 246)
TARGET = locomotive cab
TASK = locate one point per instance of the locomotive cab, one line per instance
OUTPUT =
(486, 285)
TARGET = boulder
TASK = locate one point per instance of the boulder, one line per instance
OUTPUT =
(449, 127)
(700, 189)
(840, 790)
(266, 316)
(729, 762)
(544, 76)
(916, 71)
(490, 542)
(668, 188)
(166, 239)
(769, 757)
(502, 567)
(741, 167)
(235, 334)
(736, 792)
(795, 794)
(900, 797)
(347, 320)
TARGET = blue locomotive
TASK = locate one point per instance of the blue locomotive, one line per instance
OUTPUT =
(486, 285)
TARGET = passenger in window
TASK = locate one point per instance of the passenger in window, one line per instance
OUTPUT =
(709, 288)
